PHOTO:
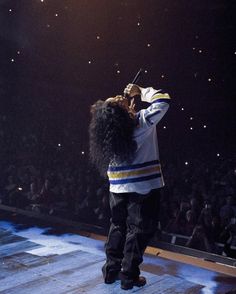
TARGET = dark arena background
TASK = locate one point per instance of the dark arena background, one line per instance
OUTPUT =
(57, 57)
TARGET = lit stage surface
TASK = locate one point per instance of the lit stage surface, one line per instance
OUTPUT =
(35, 259)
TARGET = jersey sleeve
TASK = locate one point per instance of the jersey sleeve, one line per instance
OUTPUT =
(159, 105)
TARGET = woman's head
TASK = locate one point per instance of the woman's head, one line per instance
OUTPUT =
(118, 100)
(111, 132)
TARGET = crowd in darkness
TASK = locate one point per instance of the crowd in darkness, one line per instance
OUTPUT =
(45, 176)
(41, 175)
(199, 202)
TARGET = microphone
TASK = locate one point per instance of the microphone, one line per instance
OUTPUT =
(135, 79)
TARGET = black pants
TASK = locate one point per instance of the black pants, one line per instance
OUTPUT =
(134, 220)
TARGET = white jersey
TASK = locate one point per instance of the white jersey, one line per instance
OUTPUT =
(144, 172)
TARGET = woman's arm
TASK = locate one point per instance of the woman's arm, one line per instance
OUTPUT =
(159, 104)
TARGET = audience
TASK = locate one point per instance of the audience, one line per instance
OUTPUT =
(39, 174)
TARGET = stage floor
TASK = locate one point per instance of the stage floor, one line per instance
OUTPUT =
(42, 260)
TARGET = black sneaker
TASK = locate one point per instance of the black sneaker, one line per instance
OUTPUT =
(129, 284)
(110, 276)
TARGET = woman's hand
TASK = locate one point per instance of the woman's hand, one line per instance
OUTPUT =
(132, 107)
(132, 90)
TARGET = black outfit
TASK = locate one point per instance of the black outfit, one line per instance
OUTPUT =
(135, 196)
(134, 220)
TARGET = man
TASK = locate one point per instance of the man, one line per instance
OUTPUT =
(124, 144)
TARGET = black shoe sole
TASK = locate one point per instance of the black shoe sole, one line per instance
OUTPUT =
(111, 278)
(129, 285)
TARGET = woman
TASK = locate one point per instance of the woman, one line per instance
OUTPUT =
(124, 145)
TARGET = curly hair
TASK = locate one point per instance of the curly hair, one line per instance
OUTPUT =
(110, 135)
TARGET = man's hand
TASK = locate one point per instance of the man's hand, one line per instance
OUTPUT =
(132, 90)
